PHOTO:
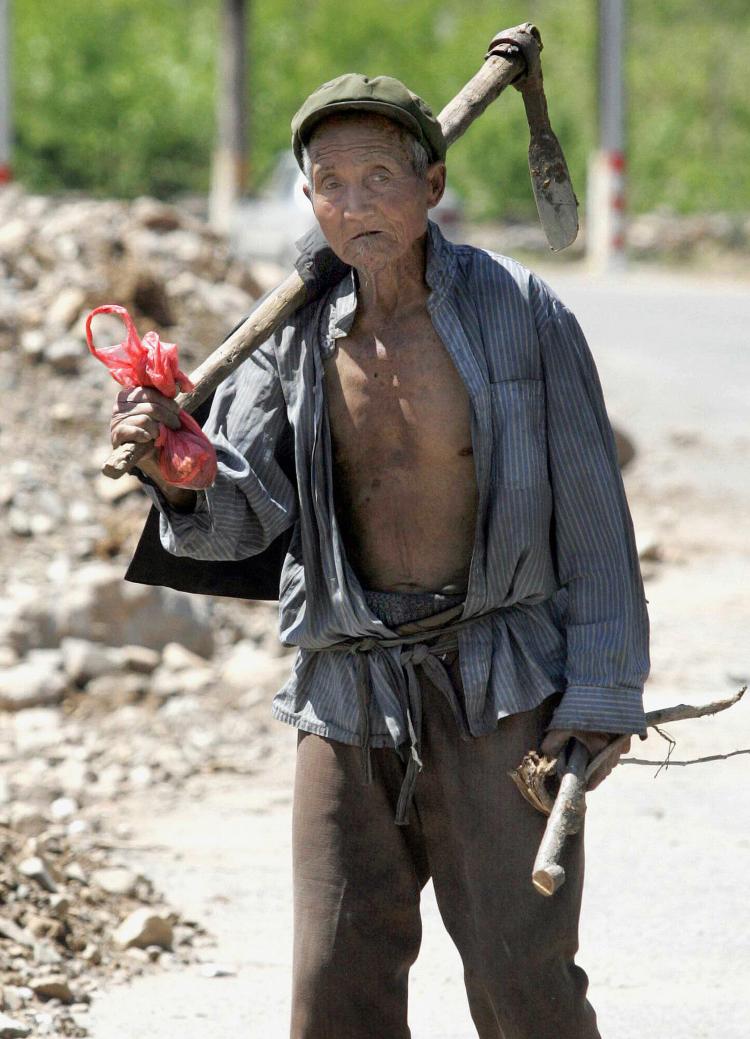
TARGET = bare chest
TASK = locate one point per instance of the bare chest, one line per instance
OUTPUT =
(397, 393)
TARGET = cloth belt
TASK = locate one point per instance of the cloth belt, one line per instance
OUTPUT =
(421, 645)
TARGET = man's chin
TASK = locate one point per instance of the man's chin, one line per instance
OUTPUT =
(372, 253)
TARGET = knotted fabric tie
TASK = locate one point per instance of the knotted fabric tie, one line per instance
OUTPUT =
(416, 651)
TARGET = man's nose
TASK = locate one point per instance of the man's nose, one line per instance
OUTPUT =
(358, 201)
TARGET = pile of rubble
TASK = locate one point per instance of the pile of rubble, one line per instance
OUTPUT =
(105, 687)
(71, 918)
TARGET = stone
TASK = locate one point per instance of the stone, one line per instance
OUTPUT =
(33, 341)
(53, 986)
(649, 547)
(217, 970)
(139, 659)
(65, 355)
(112, 491)
(14, 234)
(83, 659)
(156, 216)
(36, 729)
(45, 1024)
(65, 308)
(19, 522)
(118, 689)
(10, 1029)
(27, 818)
(19, 935)
(12, 999)
(72, 777)
(165, 683)
(225, 299)
(41, 524)
(74, 871)
(59, 906)
(141, 776)
(32, 683)
(144, 927)
(35, 868)
(63, 413)
(115, 880)
(175, 657)
(63, 808)
(97, 604)
(247, 666)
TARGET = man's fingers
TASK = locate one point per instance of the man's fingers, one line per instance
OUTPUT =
(129, 434)
(554, 742)
(158, 410)
(608, 766)
(130, 400)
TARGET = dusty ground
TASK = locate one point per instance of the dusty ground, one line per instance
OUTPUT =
(665, 933)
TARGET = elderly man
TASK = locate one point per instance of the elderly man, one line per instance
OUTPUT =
(461, 580)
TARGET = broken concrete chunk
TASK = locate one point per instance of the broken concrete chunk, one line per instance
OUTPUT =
(10, 1029)
(53, 986)
(144, 927)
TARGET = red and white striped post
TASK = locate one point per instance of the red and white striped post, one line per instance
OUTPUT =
(5, 94)
(606, 203)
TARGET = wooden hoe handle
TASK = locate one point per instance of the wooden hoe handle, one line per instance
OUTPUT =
(565, 819)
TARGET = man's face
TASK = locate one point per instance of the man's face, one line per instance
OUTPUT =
(371, 205)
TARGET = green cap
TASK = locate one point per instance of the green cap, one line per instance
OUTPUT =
(382, 94)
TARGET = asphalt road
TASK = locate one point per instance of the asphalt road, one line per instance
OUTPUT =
(665, 934)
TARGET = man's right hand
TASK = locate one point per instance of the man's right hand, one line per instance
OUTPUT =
(136, 417)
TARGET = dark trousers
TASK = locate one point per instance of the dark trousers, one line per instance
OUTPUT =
(358, 877)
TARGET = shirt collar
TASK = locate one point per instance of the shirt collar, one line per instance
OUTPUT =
(440, 273)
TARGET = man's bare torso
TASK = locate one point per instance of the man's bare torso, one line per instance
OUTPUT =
(405, 482)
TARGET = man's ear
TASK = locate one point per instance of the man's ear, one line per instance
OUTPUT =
(435, 177)
(306, 191)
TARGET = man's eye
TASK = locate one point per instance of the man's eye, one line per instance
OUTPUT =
(329, 184)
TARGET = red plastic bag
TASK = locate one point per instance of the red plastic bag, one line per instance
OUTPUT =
(186, 456)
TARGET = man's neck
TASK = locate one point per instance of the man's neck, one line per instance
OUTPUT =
(395, 290)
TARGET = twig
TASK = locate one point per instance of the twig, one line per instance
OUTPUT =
(692, 761)
(683, 711)
(654, 719)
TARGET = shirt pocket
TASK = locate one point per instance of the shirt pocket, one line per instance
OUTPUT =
(520, 434)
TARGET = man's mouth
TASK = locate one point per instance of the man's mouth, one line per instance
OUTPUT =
(365, 234)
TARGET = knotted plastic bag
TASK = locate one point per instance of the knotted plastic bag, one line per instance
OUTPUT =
(186, 456)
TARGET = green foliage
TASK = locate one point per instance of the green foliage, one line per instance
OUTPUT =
(116, 97)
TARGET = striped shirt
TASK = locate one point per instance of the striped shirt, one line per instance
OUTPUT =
(554, 594)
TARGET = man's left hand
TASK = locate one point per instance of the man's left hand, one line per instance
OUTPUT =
(594, 742)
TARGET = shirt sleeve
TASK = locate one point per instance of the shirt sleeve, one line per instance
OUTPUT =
(592, 538)
(252, 500)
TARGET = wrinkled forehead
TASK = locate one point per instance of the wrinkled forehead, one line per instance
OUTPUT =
(349, 131)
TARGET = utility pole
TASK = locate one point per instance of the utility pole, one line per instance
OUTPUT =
(605, 234)
(229, 167)
(5, 100)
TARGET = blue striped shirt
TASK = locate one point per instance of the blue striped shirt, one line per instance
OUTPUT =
(554, 583)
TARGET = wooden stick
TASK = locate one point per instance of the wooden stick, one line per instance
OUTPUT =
(493, 77)
(569, 808)
(565, 819)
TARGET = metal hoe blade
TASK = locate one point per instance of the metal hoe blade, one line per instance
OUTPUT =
(556, 202)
